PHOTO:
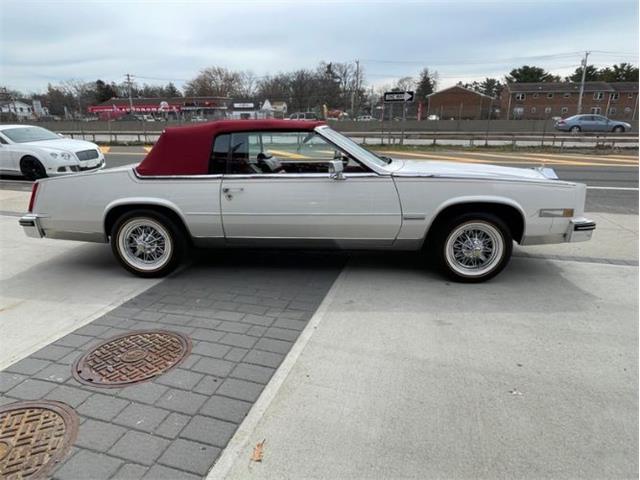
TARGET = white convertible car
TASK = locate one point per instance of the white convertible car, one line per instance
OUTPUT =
(36, 152)
(299, 183)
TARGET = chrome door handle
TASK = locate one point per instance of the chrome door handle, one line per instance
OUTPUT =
(228, 191)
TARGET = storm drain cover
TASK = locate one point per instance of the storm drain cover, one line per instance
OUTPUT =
(34, 437)
(131, 358)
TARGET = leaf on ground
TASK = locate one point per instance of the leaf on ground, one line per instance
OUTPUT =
(258, 452)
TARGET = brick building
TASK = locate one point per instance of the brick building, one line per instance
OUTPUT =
(560, 99)
(460, 103)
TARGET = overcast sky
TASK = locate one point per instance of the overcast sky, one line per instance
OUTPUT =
(50, 41)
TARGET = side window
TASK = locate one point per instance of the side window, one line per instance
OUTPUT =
(219, 154)
(285, 152)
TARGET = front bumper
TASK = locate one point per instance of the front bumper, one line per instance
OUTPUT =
(580, 230)
(83, 167)
(30, 223)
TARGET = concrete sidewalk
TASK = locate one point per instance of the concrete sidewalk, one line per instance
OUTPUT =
(403, 375)
(533, 375)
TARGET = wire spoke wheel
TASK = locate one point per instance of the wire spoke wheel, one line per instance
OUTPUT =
(145, 244)
(474, 249)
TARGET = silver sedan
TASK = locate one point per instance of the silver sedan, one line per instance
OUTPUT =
(591, 123)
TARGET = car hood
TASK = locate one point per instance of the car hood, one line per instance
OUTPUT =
(67, 144)
(468, 170)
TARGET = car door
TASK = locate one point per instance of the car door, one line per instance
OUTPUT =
(600, 123)
(278, 189)
(8, 156)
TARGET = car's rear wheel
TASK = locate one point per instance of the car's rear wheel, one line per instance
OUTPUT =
(575, 129)
(147, 243)
(31, 168)
(473, 247)
(618, 129)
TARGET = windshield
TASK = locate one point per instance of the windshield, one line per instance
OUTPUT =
(352, 147)
(29, 134)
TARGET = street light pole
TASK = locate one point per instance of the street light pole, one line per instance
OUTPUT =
(129, 88)
(584, 74)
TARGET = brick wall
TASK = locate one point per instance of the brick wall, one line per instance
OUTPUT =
(459, 103)
(540, 105)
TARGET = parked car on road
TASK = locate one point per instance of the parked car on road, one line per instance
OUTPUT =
(591, 123)
(298, 183)
(36, 152)
(303, 116)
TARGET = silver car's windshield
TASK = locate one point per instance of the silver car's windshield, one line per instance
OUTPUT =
(348, 144)
(29, 134)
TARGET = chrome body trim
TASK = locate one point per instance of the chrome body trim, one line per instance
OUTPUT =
(177, 177)
(580, 230)
(30, 224)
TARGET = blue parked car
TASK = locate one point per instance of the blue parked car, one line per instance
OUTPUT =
(591, 123)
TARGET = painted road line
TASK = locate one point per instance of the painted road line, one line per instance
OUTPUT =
(105, 149)
(127, 153)
(147, 149)
(536, 158)
(624, 189)
(285, 154)
(430, 156)
(629, 159)
(504, 159)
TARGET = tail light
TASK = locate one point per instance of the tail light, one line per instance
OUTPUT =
(32, 200)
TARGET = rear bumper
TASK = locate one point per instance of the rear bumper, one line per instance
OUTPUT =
(31, 225)
(580, 230)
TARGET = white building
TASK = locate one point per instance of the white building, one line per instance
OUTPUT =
(23, 111)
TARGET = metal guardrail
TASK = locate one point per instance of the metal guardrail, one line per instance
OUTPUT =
(471, 139)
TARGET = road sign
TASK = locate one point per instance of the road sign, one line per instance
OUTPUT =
(398, 97)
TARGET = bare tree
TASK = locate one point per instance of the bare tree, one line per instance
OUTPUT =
(216, 82)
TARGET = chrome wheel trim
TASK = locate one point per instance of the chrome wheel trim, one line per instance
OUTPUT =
(145, 244)
(474, 248)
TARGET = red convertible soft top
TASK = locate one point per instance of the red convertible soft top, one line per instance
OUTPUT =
(186, 150)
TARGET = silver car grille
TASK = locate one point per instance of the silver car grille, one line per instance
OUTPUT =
(87, 154)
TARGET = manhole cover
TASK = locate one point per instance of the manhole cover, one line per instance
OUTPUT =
(34, 437)
(131, 358)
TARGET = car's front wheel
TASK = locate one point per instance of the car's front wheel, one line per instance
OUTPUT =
(575, 129)
(618, 129)
(473, 247)
(31, 168)
(147, 243)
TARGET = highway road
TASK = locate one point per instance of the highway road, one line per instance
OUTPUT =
(612, 179)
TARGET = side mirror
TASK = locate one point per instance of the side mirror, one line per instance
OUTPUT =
(336, 169)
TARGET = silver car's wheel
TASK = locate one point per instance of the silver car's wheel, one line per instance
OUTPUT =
(148, 243)
(471, 247)
(144, 244)
(474, 249)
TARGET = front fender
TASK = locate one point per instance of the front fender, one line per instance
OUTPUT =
(475, 199)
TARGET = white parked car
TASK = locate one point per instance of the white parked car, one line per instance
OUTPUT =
(36, 152)
(299, 183)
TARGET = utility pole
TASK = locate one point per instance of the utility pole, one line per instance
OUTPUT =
(129, 89)
(355, 88)
(584, 74)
